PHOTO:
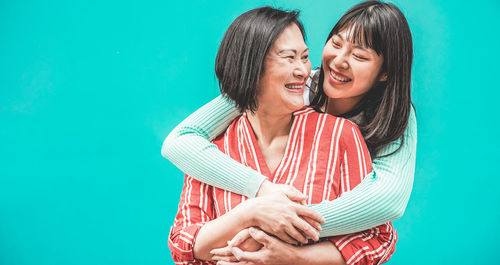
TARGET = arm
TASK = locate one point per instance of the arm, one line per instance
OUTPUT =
(188, 147)
(367, 247)
(371, 246)
(275, 251)
(381, 196)
(196, 230)
(252, 246)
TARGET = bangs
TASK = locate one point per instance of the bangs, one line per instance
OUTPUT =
(363, 29)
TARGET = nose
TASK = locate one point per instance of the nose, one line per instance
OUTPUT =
(302, 70)
(340, 61)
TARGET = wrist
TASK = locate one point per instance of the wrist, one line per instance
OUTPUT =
(263, 187)
(248, 212)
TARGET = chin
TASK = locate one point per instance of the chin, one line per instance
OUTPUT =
(332, 93)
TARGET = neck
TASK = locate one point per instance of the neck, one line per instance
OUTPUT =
(339, 106)
(269, 126)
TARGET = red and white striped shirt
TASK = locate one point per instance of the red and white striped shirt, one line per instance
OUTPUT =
(324, 157)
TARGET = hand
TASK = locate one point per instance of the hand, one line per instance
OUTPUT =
(268, 188)
(273, 251)
(291, 222)
(242, 240)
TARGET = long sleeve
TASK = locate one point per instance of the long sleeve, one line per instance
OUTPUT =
(188, 147)
(382, 196)
(375, 245)
(195, 210)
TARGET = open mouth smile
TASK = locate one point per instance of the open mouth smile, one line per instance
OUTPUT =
(338, 78)
(295, 86)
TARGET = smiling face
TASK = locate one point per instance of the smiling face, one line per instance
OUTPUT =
(286, 69)
(350, 71)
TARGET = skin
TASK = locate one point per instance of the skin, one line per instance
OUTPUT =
(276, 101)
(350, 72)
(286, 65)
(275, 251)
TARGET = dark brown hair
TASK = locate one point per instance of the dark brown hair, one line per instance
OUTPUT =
(241, 54)
(386, 106)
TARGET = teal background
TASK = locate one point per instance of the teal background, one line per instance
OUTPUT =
(89, 89)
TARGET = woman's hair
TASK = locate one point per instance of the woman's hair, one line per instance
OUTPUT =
(386, 106)
(240, 59)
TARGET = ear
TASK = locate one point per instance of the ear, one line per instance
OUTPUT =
(383, 77)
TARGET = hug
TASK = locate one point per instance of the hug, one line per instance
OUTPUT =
(298, 166)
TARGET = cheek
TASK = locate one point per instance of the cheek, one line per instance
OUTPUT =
(366, 78)
(327, 53)
(309, 67)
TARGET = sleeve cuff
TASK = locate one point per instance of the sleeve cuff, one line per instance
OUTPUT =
(181, 242)
(253, 185)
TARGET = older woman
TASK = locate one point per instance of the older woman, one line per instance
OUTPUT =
(262, 65)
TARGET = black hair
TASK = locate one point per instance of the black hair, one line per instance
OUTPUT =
(240, 59)
(386, 106)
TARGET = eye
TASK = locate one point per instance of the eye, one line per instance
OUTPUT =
(305, 57)
(357, 56)
(335, 43)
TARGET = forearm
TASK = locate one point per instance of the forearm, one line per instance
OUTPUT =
(320, 253)
(216, 233)
(381, 197)
(188, 147)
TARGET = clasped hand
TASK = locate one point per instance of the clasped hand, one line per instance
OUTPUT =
(253, 246)
(280, 210)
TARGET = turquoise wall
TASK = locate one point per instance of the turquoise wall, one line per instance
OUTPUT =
(88, 91)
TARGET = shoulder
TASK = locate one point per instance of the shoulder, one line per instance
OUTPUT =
(349, 133)
(219, 140)
(412, 121)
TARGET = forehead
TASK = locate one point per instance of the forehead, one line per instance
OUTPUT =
(355, 34)
(290, 38)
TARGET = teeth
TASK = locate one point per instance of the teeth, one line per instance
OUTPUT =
(293, 87)
(338, 77)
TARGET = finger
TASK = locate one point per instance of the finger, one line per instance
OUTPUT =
(308, 212)
(294, 233)
(221, 251)
(228, 263)
(239, 238)
(295, 195)
(313, 223)
(231, 258)
(287, 238)
(235, 263)
(306, 229)
(247, 257)
(259, 236)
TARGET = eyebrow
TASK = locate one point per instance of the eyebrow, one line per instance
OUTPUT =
(355, 45)
(290, 50)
